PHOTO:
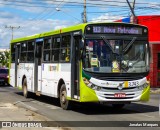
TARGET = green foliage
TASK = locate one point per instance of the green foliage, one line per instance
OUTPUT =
(4, 58)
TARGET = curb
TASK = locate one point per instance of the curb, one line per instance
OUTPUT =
(55, 124)
(23, 105)
(155, 91)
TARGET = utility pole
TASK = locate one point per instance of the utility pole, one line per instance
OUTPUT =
(133, 16)
(84, 13)
(12, 28)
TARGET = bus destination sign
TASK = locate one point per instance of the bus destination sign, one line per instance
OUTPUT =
(114, 30)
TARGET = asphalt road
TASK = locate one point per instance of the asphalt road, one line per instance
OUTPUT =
(90, 113)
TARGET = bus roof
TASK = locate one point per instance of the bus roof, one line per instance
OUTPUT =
(50, 33)
(63, 30)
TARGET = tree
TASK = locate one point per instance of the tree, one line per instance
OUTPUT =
(4, 58)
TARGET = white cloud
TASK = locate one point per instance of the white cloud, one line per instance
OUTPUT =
(106, 18)
(27, 27)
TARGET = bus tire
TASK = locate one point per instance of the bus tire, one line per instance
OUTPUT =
(118, 106)
(24, 87)
(65, 104)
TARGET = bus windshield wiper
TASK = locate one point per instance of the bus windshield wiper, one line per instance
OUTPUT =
(129, 45)
(107, 42)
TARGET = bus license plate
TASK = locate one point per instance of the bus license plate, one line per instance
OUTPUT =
(119, 95)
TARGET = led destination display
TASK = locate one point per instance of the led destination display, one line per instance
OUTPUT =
(114, 30)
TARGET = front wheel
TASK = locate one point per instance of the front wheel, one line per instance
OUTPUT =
(65, 104)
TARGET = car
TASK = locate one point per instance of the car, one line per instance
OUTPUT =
(4, 76)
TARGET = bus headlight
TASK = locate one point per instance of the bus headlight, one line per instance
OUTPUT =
(143, 86)
(91, 85)
(94, 87)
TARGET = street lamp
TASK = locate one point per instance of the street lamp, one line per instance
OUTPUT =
(58, 9)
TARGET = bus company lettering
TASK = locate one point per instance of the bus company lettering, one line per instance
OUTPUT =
(28, 68)
(25, 67)
(53, 68)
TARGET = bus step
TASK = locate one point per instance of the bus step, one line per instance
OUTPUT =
(38, 93)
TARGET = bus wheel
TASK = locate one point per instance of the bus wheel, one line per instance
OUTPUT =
(118, 106)
(65, 104)
(24, 87)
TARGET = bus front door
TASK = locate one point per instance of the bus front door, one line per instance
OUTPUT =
(38, 67)
(75, 65)
(17, 54)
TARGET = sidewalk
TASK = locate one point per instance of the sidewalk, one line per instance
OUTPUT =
(10, 112)
(155, 90)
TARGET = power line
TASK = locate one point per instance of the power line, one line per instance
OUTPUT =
(107, 11)
(68, 3)
(75, 4)
(50, 13)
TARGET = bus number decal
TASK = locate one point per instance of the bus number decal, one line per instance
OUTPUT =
(133, 83)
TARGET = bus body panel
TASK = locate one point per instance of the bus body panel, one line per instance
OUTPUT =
(145, 94)
(12, 74)
(26, 70)
(51, 74)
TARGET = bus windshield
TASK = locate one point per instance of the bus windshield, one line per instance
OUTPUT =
(116, 56)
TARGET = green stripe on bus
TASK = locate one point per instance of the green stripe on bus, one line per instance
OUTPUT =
(85, 75)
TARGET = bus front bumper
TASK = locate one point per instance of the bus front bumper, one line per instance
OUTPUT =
(109, 96)
(130, 96)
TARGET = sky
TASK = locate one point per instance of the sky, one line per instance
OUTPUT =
(29, 17)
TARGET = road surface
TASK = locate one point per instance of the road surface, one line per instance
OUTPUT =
(92, 112)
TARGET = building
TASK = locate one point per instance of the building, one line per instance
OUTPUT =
(153, 24)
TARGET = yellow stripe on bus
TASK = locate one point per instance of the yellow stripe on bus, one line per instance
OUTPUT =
(126, 84)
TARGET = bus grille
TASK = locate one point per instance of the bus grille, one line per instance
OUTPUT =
(109, 93)
(119, 78)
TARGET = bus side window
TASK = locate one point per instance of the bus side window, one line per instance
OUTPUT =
(65, 48)
(13, 46)
(55, 49)
(30, 53)
(46, 56)
(23, 55)
(46, 50)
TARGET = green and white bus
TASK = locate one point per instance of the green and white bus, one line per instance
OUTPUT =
(90, 62)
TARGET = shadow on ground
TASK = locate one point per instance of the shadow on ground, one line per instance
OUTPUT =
(96, 108)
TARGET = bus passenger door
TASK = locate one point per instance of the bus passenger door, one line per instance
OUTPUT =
(17, 54)
(38, 66)
(75, 65)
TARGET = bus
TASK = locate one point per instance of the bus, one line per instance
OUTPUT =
(89, 62)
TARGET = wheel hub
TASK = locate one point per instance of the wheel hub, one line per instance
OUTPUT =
(63, 97)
